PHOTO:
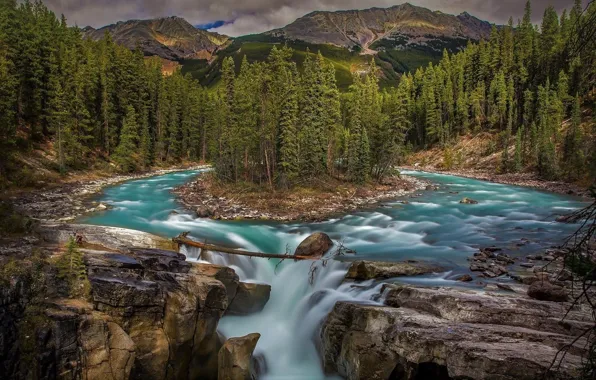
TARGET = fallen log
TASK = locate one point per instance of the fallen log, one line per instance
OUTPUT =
(183, 240)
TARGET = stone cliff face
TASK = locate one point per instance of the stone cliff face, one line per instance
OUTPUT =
(150, 315)
(443, 333)
(398, 25)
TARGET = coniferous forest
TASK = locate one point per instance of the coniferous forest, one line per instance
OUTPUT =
(274, 123)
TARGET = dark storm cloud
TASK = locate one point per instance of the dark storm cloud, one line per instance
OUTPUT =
(254, 16)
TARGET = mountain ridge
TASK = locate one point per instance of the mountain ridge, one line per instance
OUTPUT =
(172, 37)
(406, 24)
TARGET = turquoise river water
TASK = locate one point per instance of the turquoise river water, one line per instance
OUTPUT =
(433, 226)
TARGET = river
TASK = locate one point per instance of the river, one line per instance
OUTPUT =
(433, 226)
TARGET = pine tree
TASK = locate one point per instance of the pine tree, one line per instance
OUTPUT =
(518, 160)
(124, 154)
(313, 145)
(72, 270)
(289, 164)
(574, 157)
(59, 119)
(7, 104)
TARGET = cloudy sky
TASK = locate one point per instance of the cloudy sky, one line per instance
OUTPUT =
(238, 17)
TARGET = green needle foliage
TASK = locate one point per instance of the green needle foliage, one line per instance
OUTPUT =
(72, 270)
(274, 125)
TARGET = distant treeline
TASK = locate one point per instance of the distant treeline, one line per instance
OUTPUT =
(270, 123)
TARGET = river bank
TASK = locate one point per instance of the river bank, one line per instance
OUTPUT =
(530, 180)
(71, 199)
(210, 198)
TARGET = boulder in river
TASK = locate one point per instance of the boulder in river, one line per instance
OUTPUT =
(464, 278)
(468, 201)
(250, 298)
(316, 245)
(366, 270)
(235, 358)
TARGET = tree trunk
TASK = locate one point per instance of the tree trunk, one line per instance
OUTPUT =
(181, 240)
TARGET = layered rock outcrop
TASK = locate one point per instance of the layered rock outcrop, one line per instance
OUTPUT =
(168, 307)
(150, 315)
(442, 333)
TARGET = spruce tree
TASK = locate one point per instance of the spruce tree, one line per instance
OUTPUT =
(124, 154)
(289, 164)
(72, 270)
(574, 157)
(518, 160)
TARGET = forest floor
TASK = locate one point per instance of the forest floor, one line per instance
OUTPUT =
(211, 198)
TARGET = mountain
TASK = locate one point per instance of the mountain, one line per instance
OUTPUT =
(400, 39)
(368, 30)
(172, 38)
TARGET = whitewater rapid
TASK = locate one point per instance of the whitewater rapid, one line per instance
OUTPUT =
(433, 226)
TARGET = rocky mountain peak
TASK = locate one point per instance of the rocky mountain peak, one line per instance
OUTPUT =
(172, 37)
(406, 23)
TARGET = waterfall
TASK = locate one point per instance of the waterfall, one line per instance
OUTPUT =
(290, 322)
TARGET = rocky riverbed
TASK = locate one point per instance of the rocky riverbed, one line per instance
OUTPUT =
(519, 179)
(207, 199)
(70, 200)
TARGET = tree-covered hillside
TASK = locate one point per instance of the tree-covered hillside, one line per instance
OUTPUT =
(276, 123)
(392, 61)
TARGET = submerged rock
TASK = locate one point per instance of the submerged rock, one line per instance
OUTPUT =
(464, 278)
(366, 270)
(250, 298)
(468, 201)
(447, 333)
(235, 358)
(316, 245)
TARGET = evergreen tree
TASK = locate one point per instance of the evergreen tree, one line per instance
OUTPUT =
(289, 164)
(573, 151)
(125, 152)
(72, 270)
(518, 160)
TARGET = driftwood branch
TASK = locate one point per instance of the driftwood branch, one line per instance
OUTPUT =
(183, 240)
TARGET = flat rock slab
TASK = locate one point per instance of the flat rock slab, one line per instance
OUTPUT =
(366, 270)
(111, 238)
(122, 292)
(95, 258)
(380, 342)
(458, 305)
(448, 333)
